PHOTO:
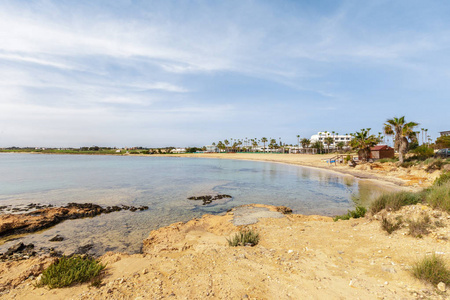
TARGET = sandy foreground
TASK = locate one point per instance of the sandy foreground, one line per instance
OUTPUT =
(298, 257)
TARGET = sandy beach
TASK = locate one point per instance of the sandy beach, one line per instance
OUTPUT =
(298, 257)
(387, 173)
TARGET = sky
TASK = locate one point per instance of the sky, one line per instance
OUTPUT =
(188, 73)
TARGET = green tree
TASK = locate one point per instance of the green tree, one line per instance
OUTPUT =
(443, 142)
(402, 131)
(305, 142)
(328, 140)
(318, 145)
(264, 140)
(362, 142)
(226, 144)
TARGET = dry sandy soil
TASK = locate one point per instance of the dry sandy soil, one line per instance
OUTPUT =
(298, 257)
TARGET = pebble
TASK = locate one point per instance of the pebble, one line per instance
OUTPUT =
(145, 271)
(290, 251)
(441, 286)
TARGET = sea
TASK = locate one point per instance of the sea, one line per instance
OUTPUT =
(164, 184)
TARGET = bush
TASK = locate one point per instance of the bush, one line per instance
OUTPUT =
(423, 152)
(432, 269)
(445, 177)
(390, 227)
(244, 238)
(438, 196)
(394, 201)
(68, 270)
(435, 164)
(359, 212)
(419, 228)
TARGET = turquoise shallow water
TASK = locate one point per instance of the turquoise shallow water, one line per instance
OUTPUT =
(163, 184)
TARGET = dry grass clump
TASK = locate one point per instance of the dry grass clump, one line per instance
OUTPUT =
(389, 226)
(432, 269)
(69, 270)
(419, 228)
(394, 201)
(439, 195)
(244, 238)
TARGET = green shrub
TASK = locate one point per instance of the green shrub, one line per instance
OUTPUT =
(389, 226)
(438, 196)
(394, 201)
(423, 152)
(244, 238)
(432, 269)
(359, 212)
(445, 177)
(69, 270)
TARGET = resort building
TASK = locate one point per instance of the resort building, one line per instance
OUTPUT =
(320, 136)
(445, 133)
(212, 149)
(178, 150)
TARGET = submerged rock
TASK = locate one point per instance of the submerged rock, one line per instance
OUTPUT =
(57, 238)
(207, 199)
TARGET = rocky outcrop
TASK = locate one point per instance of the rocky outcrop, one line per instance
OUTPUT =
(44, 218)
(207, 199)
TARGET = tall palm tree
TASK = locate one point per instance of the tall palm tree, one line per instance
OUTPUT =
(305, 142)
(226, 142)
(401, 131)
(328, 140)
(363, 141)
(264, 140)
(298, 140)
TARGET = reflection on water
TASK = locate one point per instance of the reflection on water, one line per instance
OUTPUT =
(163, 184)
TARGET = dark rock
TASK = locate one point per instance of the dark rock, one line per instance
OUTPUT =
(57, 238)
(84, 249)
(284, 210)
(16, 248)
(207, 199)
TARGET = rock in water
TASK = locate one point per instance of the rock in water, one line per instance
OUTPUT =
(57, 238)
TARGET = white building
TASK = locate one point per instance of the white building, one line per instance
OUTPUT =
(320, 136)
(212, 149)
(178, 150)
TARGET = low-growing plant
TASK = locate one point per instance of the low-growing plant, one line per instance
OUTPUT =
(358, 212)
(438, 196)
(385, 160)
(244, 238)
(419, 228)
(439, 223)
(69, 270)
(394, 201)
(435, 164)
(445, 177)
(432, 269)
(389, 226)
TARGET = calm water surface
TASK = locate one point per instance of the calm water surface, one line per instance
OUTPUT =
(163, 184)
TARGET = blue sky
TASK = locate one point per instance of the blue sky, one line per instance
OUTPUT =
(187, 73)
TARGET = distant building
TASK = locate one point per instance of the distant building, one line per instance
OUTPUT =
(445, 133)
(178, 150)
(381, 151)
(212, 149)
(320, 136)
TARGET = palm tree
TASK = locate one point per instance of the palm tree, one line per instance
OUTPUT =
(328, 140)
(340, 145)
(402, 131)
(305, 142)
(318, 145)
(226, 144)
(264, 140)
(298, 140)
(363, 141)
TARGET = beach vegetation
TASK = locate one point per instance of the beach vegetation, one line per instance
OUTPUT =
(362, 142)
(246, 237)
(358, 212)
(386, 160)
(69, 270)
(419, 228)
(438, 196)
(444, 178)
(423, 152)
(443, 142)
(403, 134)
(432, 269)
(394, 201)
(391, 226)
